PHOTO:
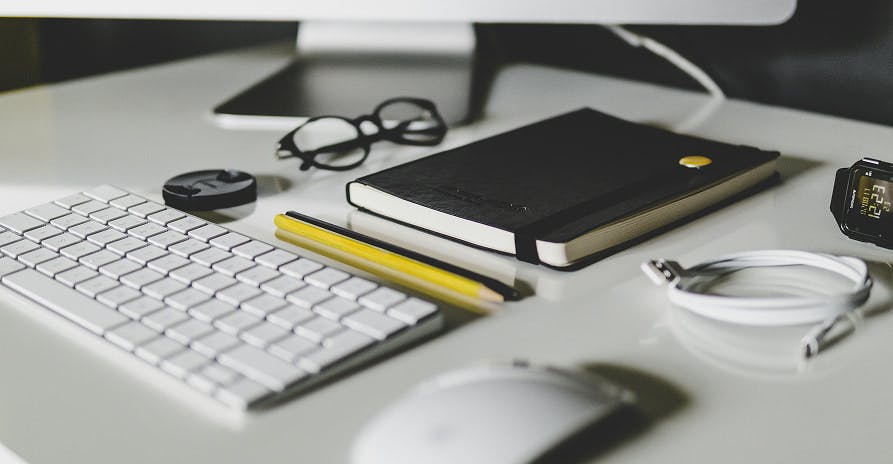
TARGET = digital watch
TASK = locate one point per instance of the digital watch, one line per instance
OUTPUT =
(861, 201)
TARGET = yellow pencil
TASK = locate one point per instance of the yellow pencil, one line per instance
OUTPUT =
(386, 259)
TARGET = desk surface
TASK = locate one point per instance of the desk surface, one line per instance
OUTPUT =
(710, 393)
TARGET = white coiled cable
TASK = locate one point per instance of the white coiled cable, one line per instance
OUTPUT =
(767, 311)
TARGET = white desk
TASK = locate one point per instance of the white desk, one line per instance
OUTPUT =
(735, 397)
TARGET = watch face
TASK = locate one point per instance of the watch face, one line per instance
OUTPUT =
(868, 203)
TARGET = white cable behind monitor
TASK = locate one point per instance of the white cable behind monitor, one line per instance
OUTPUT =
(638, 40)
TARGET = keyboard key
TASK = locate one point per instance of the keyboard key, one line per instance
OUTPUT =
(261, 367)
(290, 316)
(84, 311)
(213, 283)
(130, 335)
(373, 323)
(307, 297)
(118, 268)
(219, 374)
(60, 241)
(189, 330)
(263, 334)
(251, 249)
(96, 285)
(336, 308)
(326, 278)
(354, 288)
(185, 299)
(381, 298)
(163, 288)
(140, 278)
(168, 263)
(146, 230)
(215, 343)
(16, 249)
(263, 305)
(235, 322)
(166, 239)
(190, 273)
(210, 256)
(9, 265)
(84, 229)
(186, 224)
(126, 223)
(158, 349)
(127, 201)
(79, 250)
(9, 237)
(107, 215)
(257, 275)
(41, 233)
(210, 311)
(140, 307)
(105, 237)
(346, 343)
(126, 245)
(105, 193)
(69, 221)
(55, 266)
(318, 328)
(164, 318)
(282, 286)
(98, 259)
(188, 247)
(206, 233)
(201, 383)
(33, 258)
(20, 222)
(242, 393)
(146, 254)
(118, 296)
(90, 207)
(412, 310)
(165, 216)
(144, 209)
(292, 347)
(181, 364)
(233, 266)
(300, 268)
(349, 340)
(276, 258)
(228, 241)
(48, 211)
(75, 275)
(238, 293)
(72, 200)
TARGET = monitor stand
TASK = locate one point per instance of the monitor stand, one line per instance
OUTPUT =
(348, 68)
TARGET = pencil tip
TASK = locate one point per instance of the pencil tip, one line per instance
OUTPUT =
(489, 295)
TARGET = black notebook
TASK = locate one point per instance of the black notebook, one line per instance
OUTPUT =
(563, 191)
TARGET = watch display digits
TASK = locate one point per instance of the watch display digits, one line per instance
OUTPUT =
(863, 201)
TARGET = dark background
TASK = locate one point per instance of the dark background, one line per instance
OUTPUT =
(832, 57)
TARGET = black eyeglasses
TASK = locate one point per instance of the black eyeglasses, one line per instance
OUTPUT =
(338, 144)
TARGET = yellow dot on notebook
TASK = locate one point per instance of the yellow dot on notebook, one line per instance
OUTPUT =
(695, 161)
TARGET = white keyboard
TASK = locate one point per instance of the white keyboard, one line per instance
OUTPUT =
(237, 319)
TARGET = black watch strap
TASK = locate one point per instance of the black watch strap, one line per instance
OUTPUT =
(838, 195)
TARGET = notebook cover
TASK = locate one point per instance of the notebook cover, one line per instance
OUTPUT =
(564, 176)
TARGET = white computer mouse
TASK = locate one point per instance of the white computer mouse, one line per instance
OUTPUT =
(497, 413)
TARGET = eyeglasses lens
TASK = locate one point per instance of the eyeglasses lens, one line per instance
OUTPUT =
(422, 121)
(333, 140)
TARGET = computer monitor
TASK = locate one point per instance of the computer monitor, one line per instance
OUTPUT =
(353, 54)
